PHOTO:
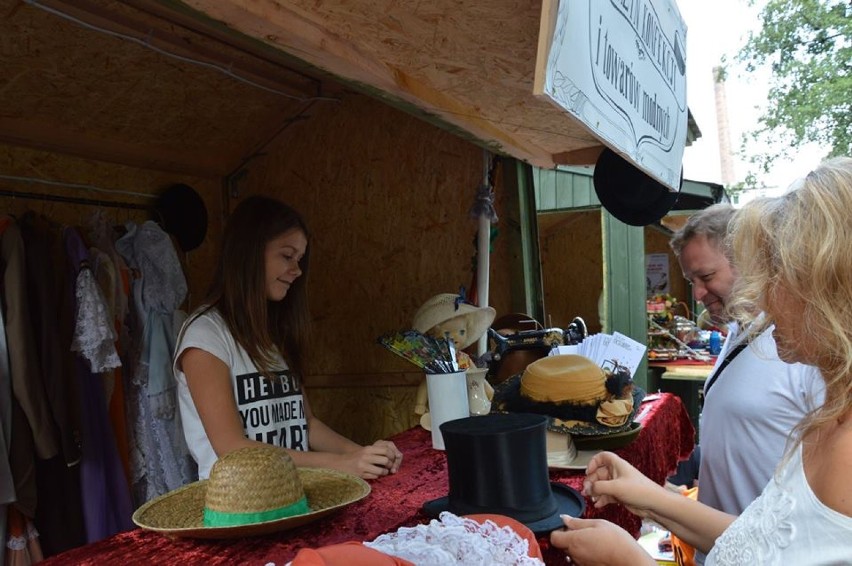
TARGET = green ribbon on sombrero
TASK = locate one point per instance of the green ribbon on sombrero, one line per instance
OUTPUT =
(225, 519)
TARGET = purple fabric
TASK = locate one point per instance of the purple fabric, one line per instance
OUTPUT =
(107, 508)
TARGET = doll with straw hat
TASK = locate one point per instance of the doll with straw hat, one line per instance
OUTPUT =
(448, 315)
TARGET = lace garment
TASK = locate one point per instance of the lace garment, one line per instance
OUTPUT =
(159, 458)
(94, 337)
(456, 540)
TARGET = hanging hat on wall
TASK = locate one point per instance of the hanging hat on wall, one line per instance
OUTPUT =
(447, 306)
(575, 394)
(497, 463)
(251, 491)
(630, 194)
(183, 214)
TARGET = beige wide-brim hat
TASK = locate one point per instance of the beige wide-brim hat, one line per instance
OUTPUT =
(180, 513)
(446, 306)
(562, 452)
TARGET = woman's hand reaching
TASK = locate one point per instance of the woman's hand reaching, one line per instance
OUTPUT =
(610, 479)
(595, 542)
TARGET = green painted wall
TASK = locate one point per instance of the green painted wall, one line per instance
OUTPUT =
(564, 189)
(622, 254)
(624, 284)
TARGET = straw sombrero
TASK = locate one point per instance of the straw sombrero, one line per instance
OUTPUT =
(447, 306)
(251, 491)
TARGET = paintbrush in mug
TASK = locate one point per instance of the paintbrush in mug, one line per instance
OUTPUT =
(414, 347)
(443, 356)
(451, 347)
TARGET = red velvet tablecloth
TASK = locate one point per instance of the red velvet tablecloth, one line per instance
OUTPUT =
(666, 438)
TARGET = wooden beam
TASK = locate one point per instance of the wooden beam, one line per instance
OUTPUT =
(396, 379)
(31, 132)
(585, 156)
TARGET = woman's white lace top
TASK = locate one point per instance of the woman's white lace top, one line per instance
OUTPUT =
(786, 525)
(456, 540)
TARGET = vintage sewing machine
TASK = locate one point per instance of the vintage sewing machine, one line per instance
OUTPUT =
(512, 352)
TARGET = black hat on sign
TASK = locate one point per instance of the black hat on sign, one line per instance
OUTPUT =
(183, 215)
(497, 464)
(630, 194)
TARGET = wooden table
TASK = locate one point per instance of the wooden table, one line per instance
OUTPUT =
(666, 437)
(684, 378)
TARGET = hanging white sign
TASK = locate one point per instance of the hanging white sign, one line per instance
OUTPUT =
(619, 66)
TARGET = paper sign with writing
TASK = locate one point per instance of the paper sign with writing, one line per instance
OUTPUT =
(607, 351)
(656, 274)
(619, 66)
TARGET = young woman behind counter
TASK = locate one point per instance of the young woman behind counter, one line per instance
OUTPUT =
(239, 363)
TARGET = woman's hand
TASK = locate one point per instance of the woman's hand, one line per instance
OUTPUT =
(394, 455)
(610, 479)
(370, 462)
(593, 542)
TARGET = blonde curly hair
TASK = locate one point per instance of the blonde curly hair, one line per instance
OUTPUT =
(801, 243)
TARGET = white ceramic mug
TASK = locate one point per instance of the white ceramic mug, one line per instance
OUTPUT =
(447, 401)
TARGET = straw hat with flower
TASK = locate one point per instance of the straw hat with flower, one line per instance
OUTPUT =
(577, 395)
(251, 491)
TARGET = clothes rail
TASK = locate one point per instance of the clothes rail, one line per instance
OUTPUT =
(75, 200)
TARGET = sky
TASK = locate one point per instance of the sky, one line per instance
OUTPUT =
(716, 28)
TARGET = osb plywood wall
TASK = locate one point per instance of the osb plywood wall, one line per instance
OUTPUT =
(31, 166)
(100, 96)
(386, 197)
(571, 266)
(657, 242)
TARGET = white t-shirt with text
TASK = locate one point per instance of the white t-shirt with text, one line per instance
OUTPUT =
(271, 410)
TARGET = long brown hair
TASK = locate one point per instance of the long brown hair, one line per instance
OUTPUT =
(262, 327)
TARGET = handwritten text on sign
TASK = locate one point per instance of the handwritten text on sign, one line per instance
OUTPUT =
(619, 66)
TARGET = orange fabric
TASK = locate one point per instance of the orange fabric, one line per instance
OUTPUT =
(684, 553)
(346, 554)
(356, 554)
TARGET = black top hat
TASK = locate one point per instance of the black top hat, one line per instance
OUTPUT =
(184, 215)
(497, 463)
(628, 193)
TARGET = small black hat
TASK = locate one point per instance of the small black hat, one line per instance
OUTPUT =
(497, 463)
(630, 194)
(184, 215)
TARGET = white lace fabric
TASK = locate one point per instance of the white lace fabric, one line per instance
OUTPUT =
(94, 337)
(20, 542)
(456, 540)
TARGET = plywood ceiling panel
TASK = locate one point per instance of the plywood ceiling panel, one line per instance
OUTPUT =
(469, 63)
(90, 78)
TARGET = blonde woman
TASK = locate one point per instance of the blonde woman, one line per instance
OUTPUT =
(794, 254)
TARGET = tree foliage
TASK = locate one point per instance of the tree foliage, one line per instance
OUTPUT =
(807, 46)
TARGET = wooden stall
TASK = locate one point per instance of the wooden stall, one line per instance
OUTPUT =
(374, 118)
(371, 118)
